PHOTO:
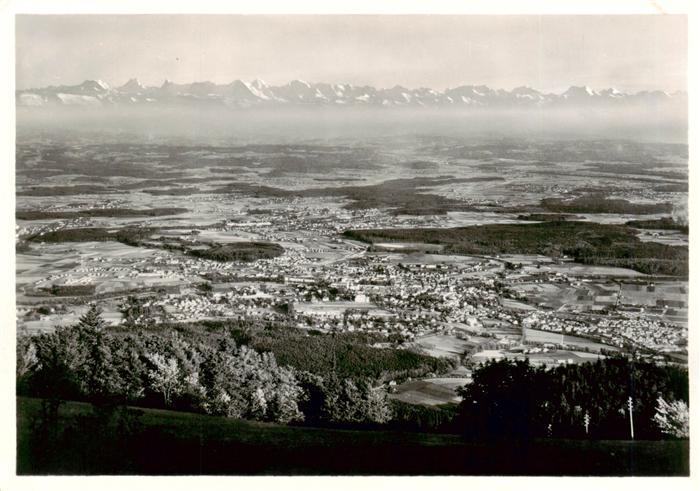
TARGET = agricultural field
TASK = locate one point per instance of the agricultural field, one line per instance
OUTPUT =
(545, 337)
(430, 391)
(443, 346)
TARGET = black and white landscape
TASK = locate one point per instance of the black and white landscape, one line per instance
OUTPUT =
(378, 278)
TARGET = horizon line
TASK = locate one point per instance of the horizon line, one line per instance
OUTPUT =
(168, 80)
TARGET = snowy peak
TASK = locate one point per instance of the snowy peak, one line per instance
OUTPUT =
(95, 86)
(611, 92)
(259, 84)
(132, 86)
(260, 89)
(239, 93)
(583, 92)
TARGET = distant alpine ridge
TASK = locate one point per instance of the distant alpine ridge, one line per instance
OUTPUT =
(239, 94)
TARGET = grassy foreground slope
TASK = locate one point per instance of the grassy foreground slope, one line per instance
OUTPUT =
(167, 442)
(585, 242)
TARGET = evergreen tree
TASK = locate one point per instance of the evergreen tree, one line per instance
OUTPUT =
(92, 319)
(94, 365)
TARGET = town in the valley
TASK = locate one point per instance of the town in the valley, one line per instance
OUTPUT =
(326, 275)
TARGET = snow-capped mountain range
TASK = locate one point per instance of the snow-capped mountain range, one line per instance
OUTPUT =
(240, 94)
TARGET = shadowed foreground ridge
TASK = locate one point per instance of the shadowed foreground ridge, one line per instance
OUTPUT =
(168, 442)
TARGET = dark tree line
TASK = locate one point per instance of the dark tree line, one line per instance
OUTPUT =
(513, 399)
(585, 242)
(208, 373)
(347, 355)
(239, 251)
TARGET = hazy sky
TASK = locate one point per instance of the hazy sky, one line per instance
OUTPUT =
(546, 52)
